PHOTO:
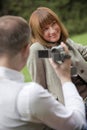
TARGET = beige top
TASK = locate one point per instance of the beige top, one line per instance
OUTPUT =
(42, 72)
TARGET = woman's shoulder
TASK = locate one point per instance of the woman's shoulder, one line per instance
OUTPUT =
(69, 41)
(36, 46)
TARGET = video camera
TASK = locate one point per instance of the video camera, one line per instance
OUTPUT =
(58, 55)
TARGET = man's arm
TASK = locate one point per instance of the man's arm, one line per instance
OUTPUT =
(35, 104)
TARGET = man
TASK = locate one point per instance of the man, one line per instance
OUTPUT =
(27, 106)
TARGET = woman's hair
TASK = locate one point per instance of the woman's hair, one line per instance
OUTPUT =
(39, 19)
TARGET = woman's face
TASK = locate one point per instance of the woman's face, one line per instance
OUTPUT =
(52, 32)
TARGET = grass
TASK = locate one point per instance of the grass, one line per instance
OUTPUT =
(26, 74)
(82, 39)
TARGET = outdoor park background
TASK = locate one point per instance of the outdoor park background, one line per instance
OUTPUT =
(73, 14)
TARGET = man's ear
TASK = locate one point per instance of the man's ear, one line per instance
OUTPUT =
(25, 51)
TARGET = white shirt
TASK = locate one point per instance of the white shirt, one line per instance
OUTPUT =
(22, 103)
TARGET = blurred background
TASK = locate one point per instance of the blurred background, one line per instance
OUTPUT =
(73, 13)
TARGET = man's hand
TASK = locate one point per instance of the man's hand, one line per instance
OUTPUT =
(63, 70)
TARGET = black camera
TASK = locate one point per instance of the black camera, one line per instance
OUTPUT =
(58, 55)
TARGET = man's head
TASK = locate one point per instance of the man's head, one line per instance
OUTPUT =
(14, 34)
(14, 38)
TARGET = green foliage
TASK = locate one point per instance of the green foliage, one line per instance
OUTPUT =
(71, 12)
(81, 38)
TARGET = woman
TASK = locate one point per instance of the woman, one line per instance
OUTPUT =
(47, 31)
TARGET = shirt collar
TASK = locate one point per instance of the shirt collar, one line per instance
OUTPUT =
(11, 74)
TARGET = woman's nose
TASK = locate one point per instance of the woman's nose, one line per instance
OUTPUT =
(51, 30)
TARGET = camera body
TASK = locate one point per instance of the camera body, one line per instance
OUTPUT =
(58, 55)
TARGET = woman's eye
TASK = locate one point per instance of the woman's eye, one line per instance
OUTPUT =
(53, 23)
(45, 29)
